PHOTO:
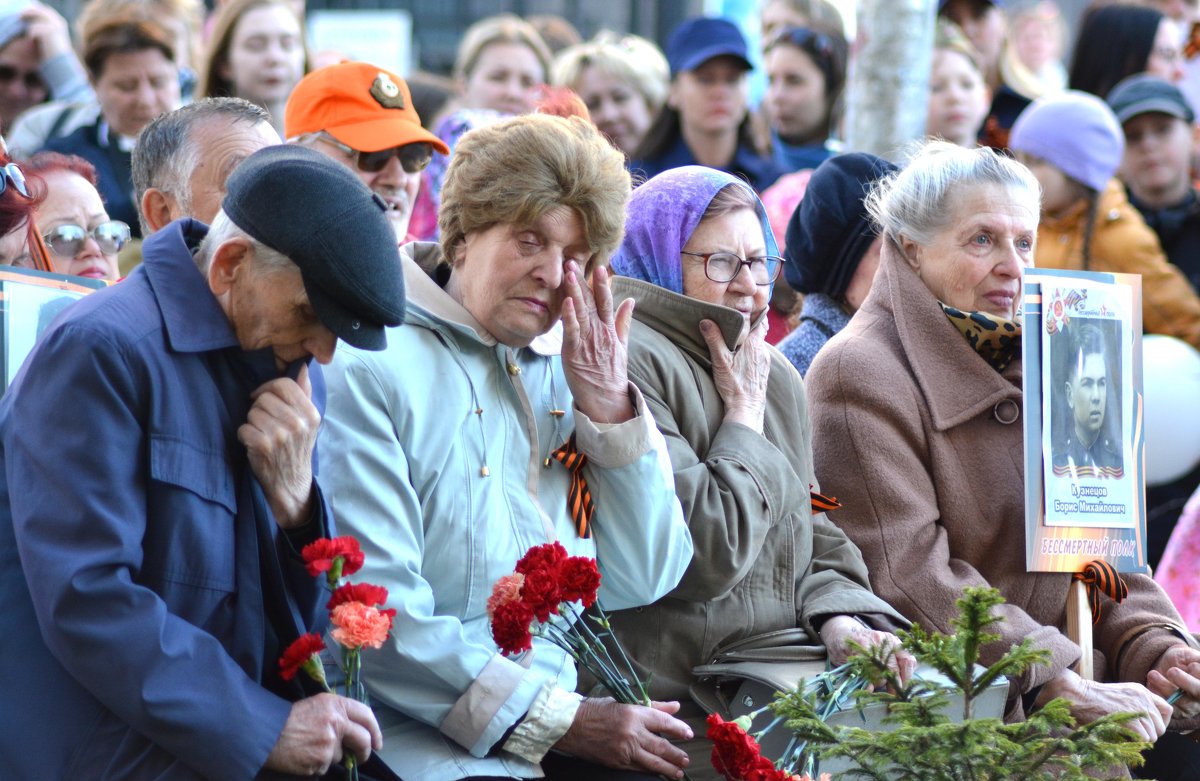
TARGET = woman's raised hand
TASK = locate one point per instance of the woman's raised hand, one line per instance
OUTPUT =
(595, 352)
(741, 377)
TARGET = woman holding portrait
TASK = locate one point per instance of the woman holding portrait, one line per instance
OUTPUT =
(440, 454)
(698, 260)
(916, 423)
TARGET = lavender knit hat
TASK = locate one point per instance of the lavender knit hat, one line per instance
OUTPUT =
(1073, 131)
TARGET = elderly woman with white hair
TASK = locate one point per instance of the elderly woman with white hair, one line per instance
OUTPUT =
(916, 429)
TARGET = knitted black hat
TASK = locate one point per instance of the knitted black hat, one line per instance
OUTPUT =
(316, 212)
(830, 230)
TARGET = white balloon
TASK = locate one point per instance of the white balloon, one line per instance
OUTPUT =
(1171, 381)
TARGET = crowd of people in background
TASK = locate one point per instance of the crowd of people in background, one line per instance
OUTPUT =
(641, 316)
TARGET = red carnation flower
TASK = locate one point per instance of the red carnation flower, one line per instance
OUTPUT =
(510, 627)
(321, 556)
(548, 557)
(300, 654)
(541, 592)
(367, 593)
(580, 580)
(735, 754)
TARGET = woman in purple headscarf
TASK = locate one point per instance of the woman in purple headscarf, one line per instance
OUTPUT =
(698, 259)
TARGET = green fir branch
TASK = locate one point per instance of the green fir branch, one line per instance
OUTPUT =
(921, 743)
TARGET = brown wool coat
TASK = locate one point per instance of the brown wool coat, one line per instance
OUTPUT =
(906, 434)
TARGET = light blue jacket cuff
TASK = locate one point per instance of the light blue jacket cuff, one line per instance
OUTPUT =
(614, 445)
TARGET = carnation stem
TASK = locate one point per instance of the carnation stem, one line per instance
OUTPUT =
(645, 698)
(585, 654)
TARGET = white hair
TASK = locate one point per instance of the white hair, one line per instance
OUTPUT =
(223, 229)
(916, 201)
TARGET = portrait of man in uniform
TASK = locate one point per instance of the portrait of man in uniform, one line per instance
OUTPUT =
(1088, 445)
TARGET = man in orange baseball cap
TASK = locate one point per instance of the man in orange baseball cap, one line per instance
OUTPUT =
(362, 116)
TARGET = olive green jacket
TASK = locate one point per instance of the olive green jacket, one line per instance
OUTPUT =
(762, 560)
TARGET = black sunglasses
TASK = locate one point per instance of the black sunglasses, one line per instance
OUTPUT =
(67, 241)
(33, 79)
(817, 44)
(413, 157)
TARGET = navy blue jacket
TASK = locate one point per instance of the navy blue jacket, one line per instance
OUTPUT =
(114, 169)
(760, 171)
(137, 552)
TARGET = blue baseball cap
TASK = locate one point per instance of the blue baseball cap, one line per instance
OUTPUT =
(943, 3)
(696, 41)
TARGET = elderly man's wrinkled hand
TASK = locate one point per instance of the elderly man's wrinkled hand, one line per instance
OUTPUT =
(595, 352)
(841, 633)
(279, 434)
(1178, 669)
(319, 730)
(741, 377)
(628, 737)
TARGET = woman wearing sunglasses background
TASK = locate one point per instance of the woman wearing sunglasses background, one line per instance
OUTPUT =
(71, 218)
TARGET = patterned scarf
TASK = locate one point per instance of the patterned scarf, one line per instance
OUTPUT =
(995, 339)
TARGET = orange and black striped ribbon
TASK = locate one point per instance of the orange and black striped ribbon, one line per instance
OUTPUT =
(1100, 577)
(822, 503)
(579, 496)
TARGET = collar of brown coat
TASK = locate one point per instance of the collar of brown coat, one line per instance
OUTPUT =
(956, 382)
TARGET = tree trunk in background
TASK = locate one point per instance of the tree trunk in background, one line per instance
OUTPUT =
(888, 89)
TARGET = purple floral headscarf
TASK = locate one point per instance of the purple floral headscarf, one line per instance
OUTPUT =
(663, 213)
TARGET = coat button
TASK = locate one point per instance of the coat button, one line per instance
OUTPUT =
(1007, 412)
(355, 324)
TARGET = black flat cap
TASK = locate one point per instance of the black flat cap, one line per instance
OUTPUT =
(316, 212)
(830, 230)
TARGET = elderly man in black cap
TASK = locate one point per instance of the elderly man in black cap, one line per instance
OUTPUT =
(158, 486)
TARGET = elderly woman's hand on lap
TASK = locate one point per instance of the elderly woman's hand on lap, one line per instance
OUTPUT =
(1091, 700)
(1178, 669)
(628, 737)
(841, 633)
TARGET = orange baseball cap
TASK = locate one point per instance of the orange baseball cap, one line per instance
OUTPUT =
(359, 104)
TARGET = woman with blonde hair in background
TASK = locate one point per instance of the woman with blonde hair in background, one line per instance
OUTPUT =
(621, 79)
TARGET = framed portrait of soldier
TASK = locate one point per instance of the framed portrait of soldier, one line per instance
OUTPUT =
(1084, 440)
(29, 302)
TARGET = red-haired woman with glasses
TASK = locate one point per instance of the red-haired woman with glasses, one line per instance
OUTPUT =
(71, 217)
